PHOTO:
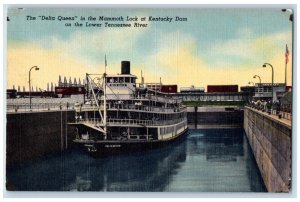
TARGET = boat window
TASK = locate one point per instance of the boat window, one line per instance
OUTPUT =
(110, 80)
(127, 80)
(132, 80)
(116, 79)
(122, 80)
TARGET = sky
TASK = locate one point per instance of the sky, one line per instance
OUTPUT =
(215, 46)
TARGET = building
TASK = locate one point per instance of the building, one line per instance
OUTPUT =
(66, 89)
(249, 91)
(11, 93)
(263, 91)
(162, 88)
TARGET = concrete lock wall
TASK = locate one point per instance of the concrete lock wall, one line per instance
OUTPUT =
(31, 135)
(270, 141)
(214, 116)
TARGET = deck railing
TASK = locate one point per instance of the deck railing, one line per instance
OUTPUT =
(36, 107)
(97, 121)
(131, 107)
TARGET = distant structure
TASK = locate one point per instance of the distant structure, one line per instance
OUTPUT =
(192, 89)
(288, 88)
(222, 88)
(63, 89)
(70, 82)
(65, 82)
(11, 93)
(249, 90)
(159, 87)
(66, 89)
(263, 91)
(59, 80)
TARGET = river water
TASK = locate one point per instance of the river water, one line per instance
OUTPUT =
(207, 160)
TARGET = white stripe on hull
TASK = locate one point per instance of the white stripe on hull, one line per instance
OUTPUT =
(168, 132)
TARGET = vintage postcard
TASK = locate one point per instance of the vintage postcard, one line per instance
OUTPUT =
(149, 99)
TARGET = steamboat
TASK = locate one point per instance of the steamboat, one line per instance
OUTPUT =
(122, 115)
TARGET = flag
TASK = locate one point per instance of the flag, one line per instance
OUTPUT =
(287, 53)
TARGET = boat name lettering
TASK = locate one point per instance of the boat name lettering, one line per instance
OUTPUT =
(118, 84)
(108, 146)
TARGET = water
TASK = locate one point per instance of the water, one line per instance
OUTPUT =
(208, 160)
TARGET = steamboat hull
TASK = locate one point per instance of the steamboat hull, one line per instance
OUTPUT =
(105, 147)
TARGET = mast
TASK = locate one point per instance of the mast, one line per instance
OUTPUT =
(104, 102)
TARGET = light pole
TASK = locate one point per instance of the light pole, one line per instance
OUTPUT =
(265, 65)
(36, 68)
(256, 76)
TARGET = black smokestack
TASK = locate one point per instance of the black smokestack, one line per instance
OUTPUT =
(125, 67)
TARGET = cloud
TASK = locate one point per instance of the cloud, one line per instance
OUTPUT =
(94, 45)
(91, 45)
(240, 47)
(249, 48)
(81, 52)
(177, 57)
(180, 60)
(51, 63)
